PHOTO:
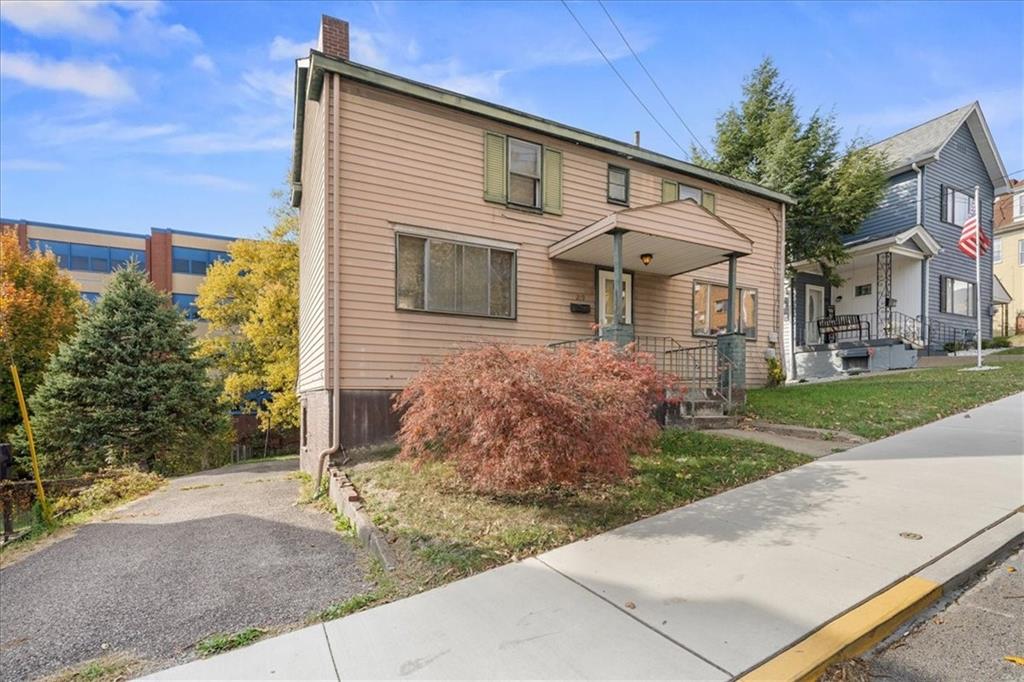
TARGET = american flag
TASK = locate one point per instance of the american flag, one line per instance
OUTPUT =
(971, 235)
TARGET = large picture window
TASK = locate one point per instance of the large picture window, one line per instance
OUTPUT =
(711, 304)
(958, 296)
(445, 276)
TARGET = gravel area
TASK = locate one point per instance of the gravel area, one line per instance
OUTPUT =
(213, 552)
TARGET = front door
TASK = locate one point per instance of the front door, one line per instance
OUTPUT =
(605, 300)
(814, 308)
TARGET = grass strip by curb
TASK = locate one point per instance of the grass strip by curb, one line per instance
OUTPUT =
(219, 643)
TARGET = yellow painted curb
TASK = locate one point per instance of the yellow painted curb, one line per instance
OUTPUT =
(851, 634)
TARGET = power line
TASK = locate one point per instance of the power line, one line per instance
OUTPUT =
(653, 82)
(621, 77)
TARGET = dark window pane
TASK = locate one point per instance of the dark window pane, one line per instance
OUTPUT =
(501, 283)
(90, 258)
(410, 272)
(522, 190)
(180, 265)
(198, 267)
(187, 304)
(443, 288)
(474, 280)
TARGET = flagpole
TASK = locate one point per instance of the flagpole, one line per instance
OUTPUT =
(977, 266)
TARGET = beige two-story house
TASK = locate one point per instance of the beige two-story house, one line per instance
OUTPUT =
(432, 220)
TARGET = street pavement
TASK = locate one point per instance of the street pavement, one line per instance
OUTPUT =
(213, 552)
(704, 592)
(969, 639)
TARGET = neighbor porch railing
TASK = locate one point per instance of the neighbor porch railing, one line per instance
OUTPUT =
(870, 326)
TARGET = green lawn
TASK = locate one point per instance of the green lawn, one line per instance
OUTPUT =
(445, 531)
(878, 406)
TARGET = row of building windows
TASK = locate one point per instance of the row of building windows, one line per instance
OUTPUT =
(89, 257)
(997, 251)
(184, 302)
(189, 261)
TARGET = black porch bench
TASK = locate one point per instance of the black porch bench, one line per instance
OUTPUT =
(829, 328)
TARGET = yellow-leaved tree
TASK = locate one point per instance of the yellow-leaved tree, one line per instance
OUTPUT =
(252, 305)
(39, 306)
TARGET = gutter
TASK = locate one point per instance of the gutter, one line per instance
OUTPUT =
(319, 63)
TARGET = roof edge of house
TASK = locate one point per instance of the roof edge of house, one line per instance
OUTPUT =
(318, 63)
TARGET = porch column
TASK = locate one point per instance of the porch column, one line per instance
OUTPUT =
(924, 298)
(730, 315)
(617, 269)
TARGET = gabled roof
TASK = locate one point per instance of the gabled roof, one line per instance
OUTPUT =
(924, 143)
(309, 83)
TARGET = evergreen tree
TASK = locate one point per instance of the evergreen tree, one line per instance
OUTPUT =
(763, 140)
(128, 389)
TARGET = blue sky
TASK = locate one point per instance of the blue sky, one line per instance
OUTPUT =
(129, 115)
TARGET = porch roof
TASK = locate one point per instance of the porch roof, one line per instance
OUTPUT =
(680, 235)
(914, 242)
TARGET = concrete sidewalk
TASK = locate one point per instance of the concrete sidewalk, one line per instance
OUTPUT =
(704, 592)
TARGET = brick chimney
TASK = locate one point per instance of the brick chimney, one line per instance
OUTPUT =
(333, 39)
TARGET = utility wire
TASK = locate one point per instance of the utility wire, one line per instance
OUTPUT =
(653, 82)
(621, 77)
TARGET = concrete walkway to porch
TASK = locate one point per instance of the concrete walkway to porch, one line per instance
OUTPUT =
(705, 592)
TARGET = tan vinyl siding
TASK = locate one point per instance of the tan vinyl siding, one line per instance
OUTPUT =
(312, 251)
(408, 162)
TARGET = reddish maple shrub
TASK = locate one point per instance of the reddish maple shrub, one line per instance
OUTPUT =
(514, 418)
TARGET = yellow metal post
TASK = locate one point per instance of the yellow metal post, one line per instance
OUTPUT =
(47, 516)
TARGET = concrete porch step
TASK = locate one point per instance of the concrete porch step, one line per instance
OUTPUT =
(704, 408)
(703, 422)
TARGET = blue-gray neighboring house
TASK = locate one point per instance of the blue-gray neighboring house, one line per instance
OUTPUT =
(907, 287)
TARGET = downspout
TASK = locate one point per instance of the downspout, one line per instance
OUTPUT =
(925, 261)
(335, 305)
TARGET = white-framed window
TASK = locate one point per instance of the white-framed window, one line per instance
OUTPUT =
(524, 173)
(440, 275)
(958, 296)
(958, 205)
(997, 250)
(1018, 205)
(1020, 252)
(711, 304)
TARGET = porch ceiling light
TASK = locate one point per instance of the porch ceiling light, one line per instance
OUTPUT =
(646, 258)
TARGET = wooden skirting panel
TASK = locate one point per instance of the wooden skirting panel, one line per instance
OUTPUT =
(367, 417)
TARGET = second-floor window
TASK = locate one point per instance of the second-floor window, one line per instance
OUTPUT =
(524, 173)
(189, 261)
(445, 276)
(957, 206)
(1020, 252)
(997, 250)
(1018, 205)
(618, 185)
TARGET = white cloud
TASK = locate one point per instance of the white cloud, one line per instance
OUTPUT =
(207, 180)
(34, 165)
(227, 142)
(88, 20)
(90, 79)
(282, 48)
(132, 22)
(204, 62)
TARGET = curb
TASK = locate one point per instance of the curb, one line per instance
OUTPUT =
(864, 626)
(347, 498)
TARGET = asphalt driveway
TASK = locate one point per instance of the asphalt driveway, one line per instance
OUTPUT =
(213, 552)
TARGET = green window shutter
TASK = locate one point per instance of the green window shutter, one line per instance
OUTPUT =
(669, 191)
(708, 200)
(552, 181)
(495, 167)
